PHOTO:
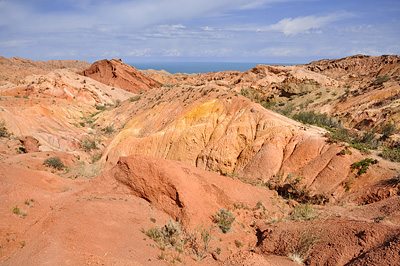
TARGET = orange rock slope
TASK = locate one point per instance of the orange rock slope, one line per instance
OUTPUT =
(117, 74)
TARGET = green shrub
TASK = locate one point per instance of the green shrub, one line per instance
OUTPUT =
(301, 247)
(135, 98)
(379, 80)
(362, 142)
(367, 140)
(18, 211)
(312, 118)
(224, 220)
(3, 130)
(170, 235)
(54, 162)
(95, 157)
(302, 212)
(109, 130)
(391, 154)
(101, 107)
(89, 144)
(387, 130)
(363, 165)
(339, 135)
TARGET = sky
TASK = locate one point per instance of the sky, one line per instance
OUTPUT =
(265, 31)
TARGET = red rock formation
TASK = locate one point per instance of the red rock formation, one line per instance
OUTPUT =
(30, 143)
(357, 65)
(115, 73)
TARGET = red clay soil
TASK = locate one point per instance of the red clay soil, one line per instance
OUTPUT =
(338, 241)
(184, 192)
(115, 73)
(99, 222)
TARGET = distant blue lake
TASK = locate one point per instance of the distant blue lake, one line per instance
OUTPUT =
(197, 67)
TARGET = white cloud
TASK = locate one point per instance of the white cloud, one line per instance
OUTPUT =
(140, 52)
(206, 28)
(293, 26)
(171, 53)
(15, 43)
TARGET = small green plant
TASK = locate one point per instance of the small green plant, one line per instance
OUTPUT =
(363, 165)
(170, 235)
(388, 130)
(198, 242)
(302, 212)
(54, 162)
(18, 211)
(301, 248)
(379, 80)
(89, 144)
(348, 183)
(109, 130)
(224, 220)
(95, 157)
(3, 130)
(238, 244)
(380, 219)
(101, 107)
(135, 98)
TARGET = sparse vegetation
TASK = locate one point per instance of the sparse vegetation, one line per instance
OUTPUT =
(388, 130)
(198, 242)
(95, 157)
(135, 98)
(379, 80)
(391, 154)
(174, 236)
(109, 130)
(171, 235)
(380, 219)
(362, 166)
(312, 118)
(238, 244)
(101, 107)
(3, 130)
(362, 142)
(301, 248)
(302, 212)
(293, 188)
(18, 211)
(224, 220)
(54, 162)
(89, 144)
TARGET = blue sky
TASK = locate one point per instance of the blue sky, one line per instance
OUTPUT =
(265, 31)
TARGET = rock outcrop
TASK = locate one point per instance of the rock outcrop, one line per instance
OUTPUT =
(117, 74)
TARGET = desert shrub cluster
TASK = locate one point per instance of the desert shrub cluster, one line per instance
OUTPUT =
(362, 166)
(224, 219)
(3, 130)
(175, 236)
(89, 144)
(312, 118)
(54, 162)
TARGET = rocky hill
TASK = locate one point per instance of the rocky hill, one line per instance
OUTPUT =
(117, 74)
(193, 169)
